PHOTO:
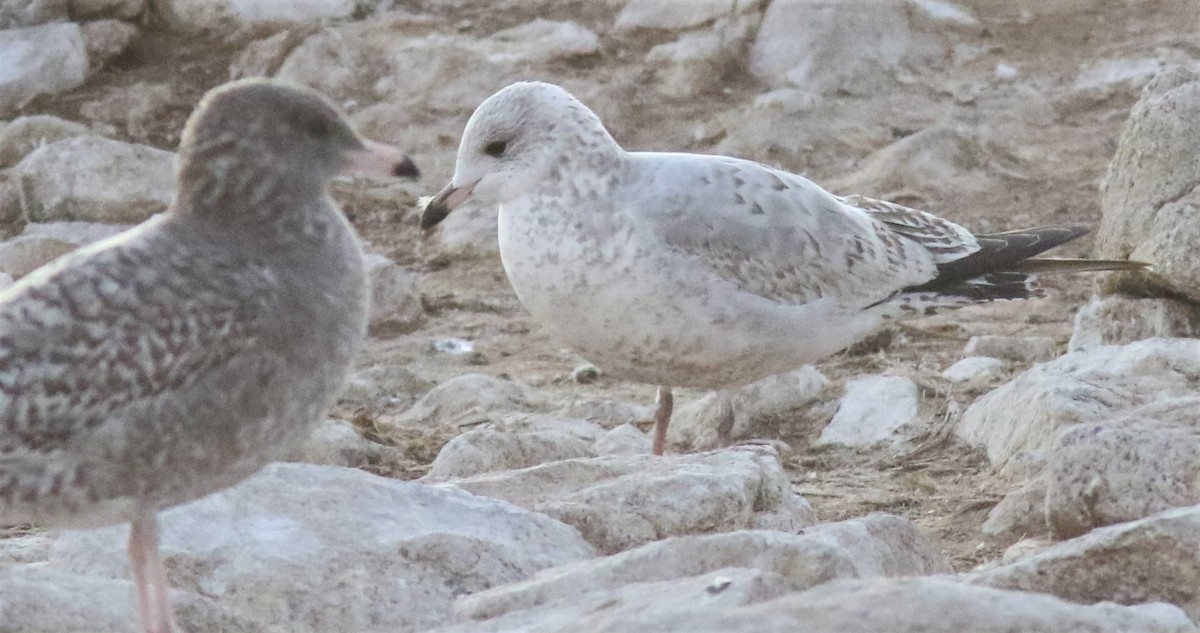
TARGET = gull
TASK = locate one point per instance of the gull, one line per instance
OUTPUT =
(689, 270)
(177, 358)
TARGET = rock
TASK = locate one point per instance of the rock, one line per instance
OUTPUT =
(946, 15)
(789, 100)
(94, 179)
(875, 409)
(876, 545)
(622, 501)
(1018, 348)
(624, 440)
(83, 10)
(262, 58)
(1080, 387)
(219, 14)
(723, 587)
(1020, 514)
(27, 133)
(46, 59)
(337, 443)
(1122, 470)
(921, 162)
(297, 547)
(1150, 194)
(26, 548)
(544, 40)
(1024, 549)
(470, 231)
(10, 203)
(105, 39)
(607, 414)
(142, 109)
(395, 297)
(483, 451)
(36, 600)
(39, 244)
(381, 388)
(774, 407)
(1118, 319)
(1152, 559)
(468, 400)
(668, 15)
(695, 64)
(854, 46)
(973, 368)
(18, 13)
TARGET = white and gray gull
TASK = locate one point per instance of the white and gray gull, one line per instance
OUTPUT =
(179, 357)
(687, 270)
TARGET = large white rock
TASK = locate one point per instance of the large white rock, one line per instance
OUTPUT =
(1118, 319)
(841, 45)
(212, 14)
(1031, 412)
(36, 600)
(973, 368)
(875, 409)
(876, 545)
(36, 60)
(27, 133)
(780, 406)
(903, 605)
(1152, 559)
(94, 179)
(303, 548)
(667, 14)
(337, 443)
(39, 244)
(1151, 194)
(469, 400)
(622, 501)
(484, 450)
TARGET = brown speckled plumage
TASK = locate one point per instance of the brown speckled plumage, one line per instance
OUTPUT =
(179, 357)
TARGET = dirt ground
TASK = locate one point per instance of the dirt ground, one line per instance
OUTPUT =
(1057, 145)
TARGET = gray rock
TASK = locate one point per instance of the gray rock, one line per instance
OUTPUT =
(876, 545)
(37, 600)
(1150, 194)
(218, 14)
(579, 428)
(10, 202)
(665, 14)
(337, 443)
(46, 59)
(468, 400)
(382, 388)
(702, 62)
(83, 10)
(105, 39)
(973, 368)
(94, 179)
(1091, 386)
(1152, 559)
(27, 133)
(262, 58)
(39, 244)
(470, 231)
(789, 100)
(1018, 348)
(18, 13)
(26, 548)
(624, 440)
(396, 306)
(774, 407)
(608, 414)
(544, 40)
(856, 46)
(875, 409)
(1119, 319)
(1020, 514)
(484, 450)
(1122, 470)
(905, 605)
(623, 501)
(298, 547)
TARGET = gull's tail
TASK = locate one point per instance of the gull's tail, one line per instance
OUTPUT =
(1004, 267)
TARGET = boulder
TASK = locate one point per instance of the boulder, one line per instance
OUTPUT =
(1120, 319)
(483, 451)
(875, 409)
(396, 306)
(45, 59)
(27, 133)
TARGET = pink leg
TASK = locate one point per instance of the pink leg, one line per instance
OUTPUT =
(662, 417)
(150, 576)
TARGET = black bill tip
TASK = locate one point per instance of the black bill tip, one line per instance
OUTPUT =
(406, 168)
(433, 214)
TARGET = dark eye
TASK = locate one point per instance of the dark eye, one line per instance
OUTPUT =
(317, 127)
(495, 149)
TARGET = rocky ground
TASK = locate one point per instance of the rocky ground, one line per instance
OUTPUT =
(1009, 467)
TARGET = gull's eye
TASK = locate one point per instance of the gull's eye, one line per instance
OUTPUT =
(495, 149)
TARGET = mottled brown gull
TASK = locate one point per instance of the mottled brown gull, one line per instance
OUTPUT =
(687, 270)
(177, 358)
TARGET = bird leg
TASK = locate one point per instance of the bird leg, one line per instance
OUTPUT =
(662, 417)
(150, 576)
(725, 419)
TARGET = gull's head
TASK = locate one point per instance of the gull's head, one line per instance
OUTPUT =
(246, 133)
(513, 142)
